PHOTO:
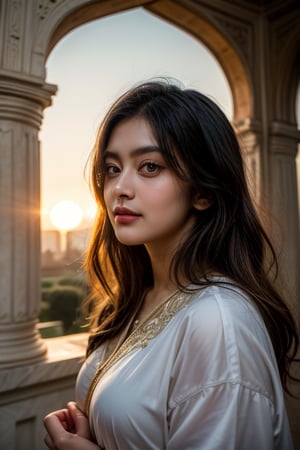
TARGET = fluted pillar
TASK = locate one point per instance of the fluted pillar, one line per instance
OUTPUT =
(272, 179)
(284, 141)
(249, 136)
(21, 106)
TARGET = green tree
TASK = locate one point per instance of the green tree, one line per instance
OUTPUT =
(64, 304)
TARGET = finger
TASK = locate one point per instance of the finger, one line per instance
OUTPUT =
(63, 416)
(66, 420)
(48, 441)
(54, 426)
(80, 420)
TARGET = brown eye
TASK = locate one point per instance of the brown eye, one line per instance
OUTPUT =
(111, 169)
(150, 168)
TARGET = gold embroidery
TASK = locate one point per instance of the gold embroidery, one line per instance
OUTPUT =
(140, 336)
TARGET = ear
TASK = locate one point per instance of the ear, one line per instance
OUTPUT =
(201, 203)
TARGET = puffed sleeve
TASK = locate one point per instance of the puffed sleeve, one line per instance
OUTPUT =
(225, 390)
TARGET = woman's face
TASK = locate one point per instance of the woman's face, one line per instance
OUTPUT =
(145, 200)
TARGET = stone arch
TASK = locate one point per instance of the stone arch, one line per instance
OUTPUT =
(29, 31)
(199, 25)
(235, 42)
(207, 29)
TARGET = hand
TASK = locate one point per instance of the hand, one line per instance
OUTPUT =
(68, 429)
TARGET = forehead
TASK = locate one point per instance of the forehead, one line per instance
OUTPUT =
(130, 134)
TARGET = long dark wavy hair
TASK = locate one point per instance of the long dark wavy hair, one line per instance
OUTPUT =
(227, 238)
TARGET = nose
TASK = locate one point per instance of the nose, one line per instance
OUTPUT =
(124, 185)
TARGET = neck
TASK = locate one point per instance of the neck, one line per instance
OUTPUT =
(163, 286)
(160, 262)
(161, 254)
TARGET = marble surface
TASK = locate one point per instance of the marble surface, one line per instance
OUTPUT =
(29, 392)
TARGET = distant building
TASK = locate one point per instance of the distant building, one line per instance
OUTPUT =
(51, 243)
(77, 242)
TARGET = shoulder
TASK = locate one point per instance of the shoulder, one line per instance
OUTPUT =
(223, 337)
(224, 309)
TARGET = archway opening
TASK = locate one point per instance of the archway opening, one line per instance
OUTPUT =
(92, 65)
(90, 74)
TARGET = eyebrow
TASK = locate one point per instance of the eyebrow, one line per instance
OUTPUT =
(136, 152)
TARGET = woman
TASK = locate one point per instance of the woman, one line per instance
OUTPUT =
(191, 343)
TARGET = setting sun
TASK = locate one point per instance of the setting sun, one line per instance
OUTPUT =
(66, 215)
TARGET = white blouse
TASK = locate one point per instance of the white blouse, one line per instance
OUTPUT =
(205, 379)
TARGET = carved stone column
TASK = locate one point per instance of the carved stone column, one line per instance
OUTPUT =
(21, 106)
(273, 183)
(283, 191)
(249, 137)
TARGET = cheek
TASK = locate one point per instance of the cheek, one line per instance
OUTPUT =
(160, 201)
(180, 196)
(165, 190)
(106, 196)
(175, 203)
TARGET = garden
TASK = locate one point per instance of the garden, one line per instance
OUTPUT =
(61, 308)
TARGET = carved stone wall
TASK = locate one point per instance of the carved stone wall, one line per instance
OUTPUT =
(28, 393)
(21, 106)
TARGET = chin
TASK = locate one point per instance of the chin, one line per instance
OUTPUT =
(129, 241)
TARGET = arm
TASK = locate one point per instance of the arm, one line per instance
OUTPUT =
(68, 429)
(225, 392)
(222, 416)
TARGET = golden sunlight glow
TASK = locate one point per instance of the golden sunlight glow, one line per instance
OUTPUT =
(66, 215)
(91, 212)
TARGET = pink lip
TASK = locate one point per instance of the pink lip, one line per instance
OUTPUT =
(122, 211)
(125, 215)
